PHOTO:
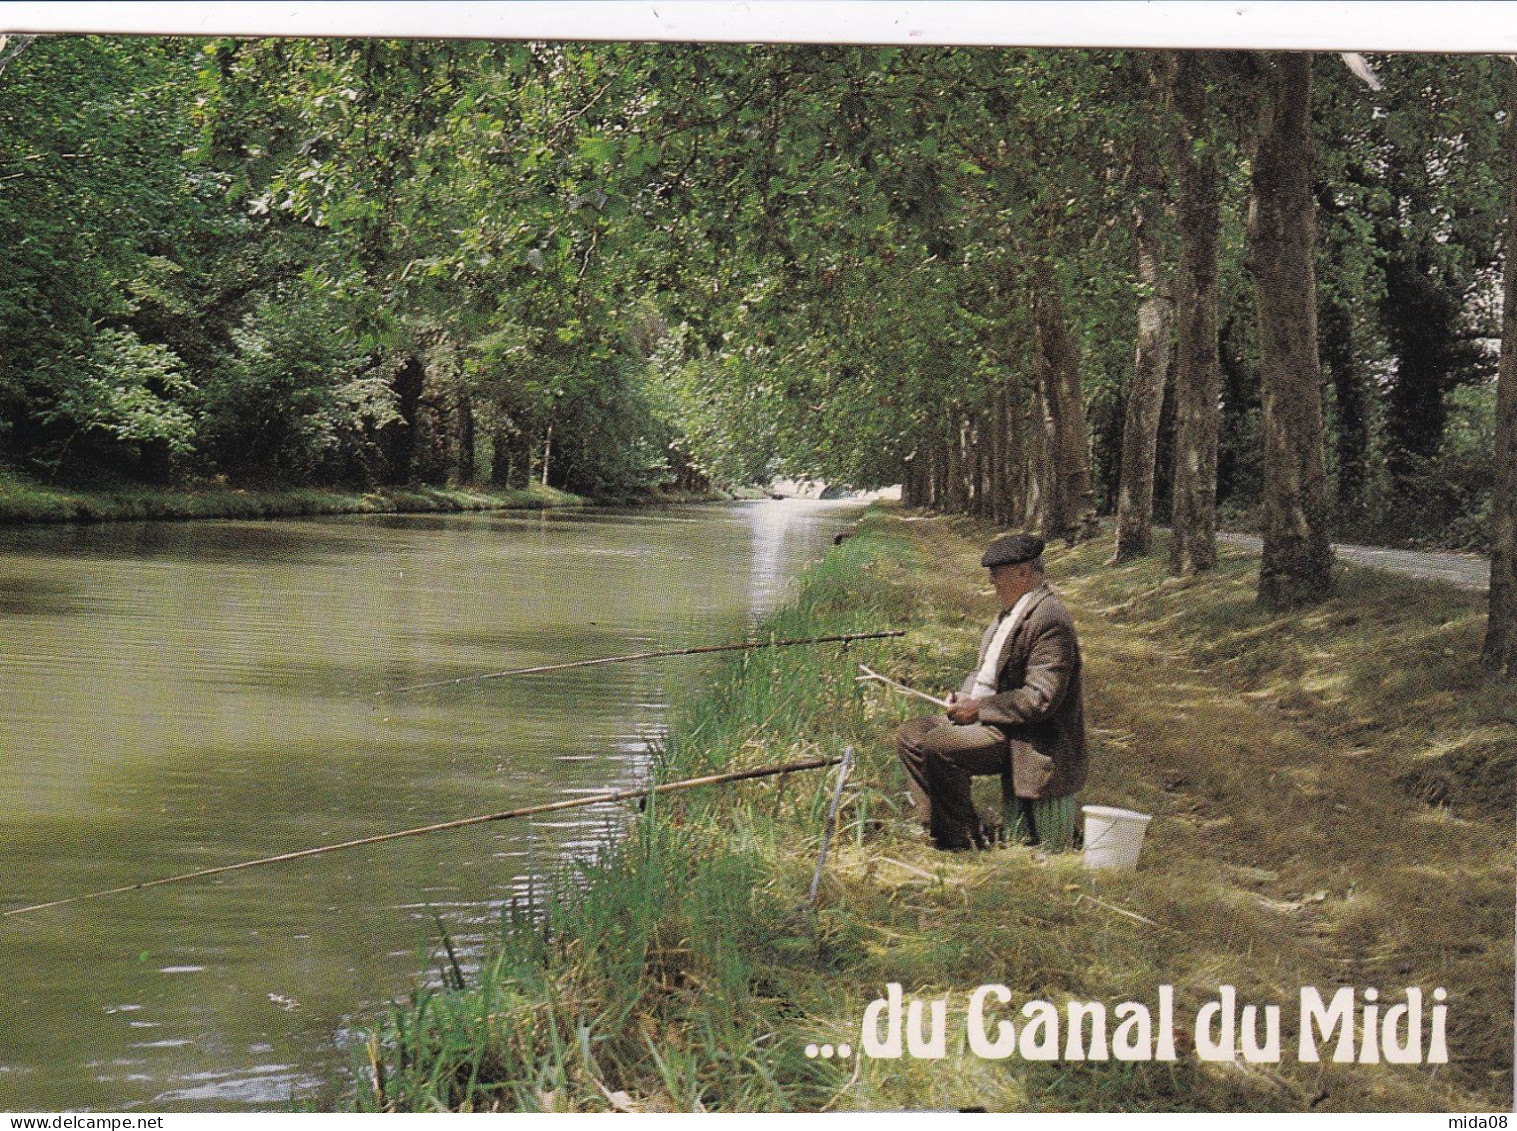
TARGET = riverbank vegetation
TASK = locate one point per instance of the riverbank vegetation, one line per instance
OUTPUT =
(26, 500)
(1322, 818)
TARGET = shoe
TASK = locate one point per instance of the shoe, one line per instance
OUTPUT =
(957, 841)
(955, 845)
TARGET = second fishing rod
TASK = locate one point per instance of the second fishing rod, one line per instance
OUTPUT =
(742, 645)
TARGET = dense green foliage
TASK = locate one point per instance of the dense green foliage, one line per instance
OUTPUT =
(360, 262)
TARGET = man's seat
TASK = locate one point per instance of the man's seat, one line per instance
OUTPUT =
(1053, 824)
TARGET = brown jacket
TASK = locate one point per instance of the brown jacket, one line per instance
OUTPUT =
(1039, 701)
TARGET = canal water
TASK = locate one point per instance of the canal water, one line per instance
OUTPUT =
(175, 696)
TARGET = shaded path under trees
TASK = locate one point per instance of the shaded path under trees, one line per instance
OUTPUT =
(1463, 571)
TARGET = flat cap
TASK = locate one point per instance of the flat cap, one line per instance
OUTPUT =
(1014, 549)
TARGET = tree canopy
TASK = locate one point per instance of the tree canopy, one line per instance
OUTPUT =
(619, 266)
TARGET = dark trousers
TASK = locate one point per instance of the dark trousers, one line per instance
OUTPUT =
(941, 761)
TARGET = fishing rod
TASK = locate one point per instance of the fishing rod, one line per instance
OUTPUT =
(745, 645)
(832, 813)
(549, 807)
(871, 674)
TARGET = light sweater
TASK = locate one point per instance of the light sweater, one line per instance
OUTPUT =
(985, 679)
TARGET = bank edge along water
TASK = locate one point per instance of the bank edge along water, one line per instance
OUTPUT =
(26, 500)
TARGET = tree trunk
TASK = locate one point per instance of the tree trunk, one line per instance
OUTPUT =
(1350, 423)
(1020, 455)
(1500, 652)
(1073, 515)
(1298, 557)
(956, 499)
(155, 462)
(908, 481)
(994, 449)
(466, 465)
(982, 492)
(500, 456)
(1000, 457)
(969, 465)
(399, 436)
(1040, 479)
(432, 428)
(1421, 320)
(1012, 473)
(1193, 509)
(1145, 395)
(511, 461)
(1351, 430)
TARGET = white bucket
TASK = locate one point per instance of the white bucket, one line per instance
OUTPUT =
(1113, 837)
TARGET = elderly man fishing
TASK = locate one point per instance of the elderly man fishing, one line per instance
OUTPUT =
(1020, 710)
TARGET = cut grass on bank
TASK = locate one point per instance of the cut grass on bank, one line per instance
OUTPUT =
(1295, 843)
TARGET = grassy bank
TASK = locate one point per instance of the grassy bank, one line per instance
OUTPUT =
(1329, 810)
(24, 500)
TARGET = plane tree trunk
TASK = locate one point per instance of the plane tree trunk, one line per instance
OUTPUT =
(1297, 563)
(1193, 545)
(1145, 395)
(1072, 515)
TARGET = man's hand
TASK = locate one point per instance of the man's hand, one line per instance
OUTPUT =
(962, 712)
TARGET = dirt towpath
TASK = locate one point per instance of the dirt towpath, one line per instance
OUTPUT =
(1465, 571)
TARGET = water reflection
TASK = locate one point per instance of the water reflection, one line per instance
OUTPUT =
(180, 696)
(203, 542)
(38, 596)
(780, 528)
